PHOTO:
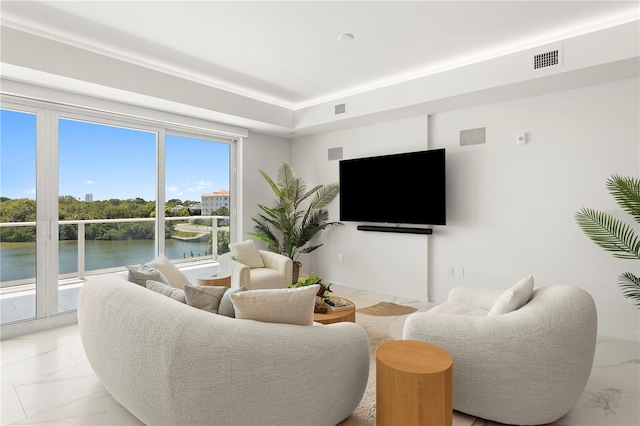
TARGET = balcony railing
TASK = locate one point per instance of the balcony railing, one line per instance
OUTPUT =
(201, 231)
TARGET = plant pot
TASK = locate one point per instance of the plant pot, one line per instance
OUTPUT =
(296, 271)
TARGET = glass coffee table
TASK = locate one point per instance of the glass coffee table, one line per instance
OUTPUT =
(332, 317)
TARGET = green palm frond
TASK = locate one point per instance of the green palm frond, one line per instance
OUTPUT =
(289, 185)
(626, 191)
(630, 286)
(325, 195)
(287, 227)
(610, 233)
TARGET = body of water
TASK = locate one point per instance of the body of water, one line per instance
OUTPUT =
(18, 260)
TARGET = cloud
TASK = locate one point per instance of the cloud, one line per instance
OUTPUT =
(203, 184)
(172, 189)
(90, 182)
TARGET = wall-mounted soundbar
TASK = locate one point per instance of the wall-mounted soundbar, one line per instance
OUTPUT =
(396, 229)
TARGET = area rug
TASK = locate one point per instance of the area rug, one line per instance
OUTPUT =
(387, 309)
(378, 327)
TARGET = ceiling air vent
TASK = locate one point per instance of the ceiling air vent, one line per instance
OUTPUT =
(340, 109)
(545, 60)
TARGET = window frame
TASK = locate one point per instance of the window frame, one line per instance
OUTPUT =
(100, 111)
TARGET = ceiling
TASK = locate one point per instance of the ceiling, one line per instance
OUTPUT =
(288, 53)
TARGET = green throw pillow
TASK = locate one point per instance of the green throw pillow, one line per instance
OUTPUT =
(206, 298)
(226, 305)
(142, 273)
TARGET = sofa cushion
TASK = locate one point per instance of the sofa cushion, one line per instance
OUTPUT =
(226, 305)
(175, 276)
(514, 298)
(140, 274)
(247, 253)
(206, 298)
(285, 305)
(167, 290)
(457, 308)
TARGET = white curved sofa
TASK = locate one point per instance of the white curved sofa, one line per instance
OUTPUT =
(526, 367)
(171, 364)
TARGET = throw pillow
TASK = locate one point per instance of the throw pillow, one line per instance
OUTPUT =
(226, 305)
(171, 271)
(247, 252)
(167, 290)
(286, 305)
(142, 273)
(206, 298)
(514, 298)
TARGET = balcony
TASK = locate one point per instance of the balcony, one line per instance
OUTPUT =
(194, 249)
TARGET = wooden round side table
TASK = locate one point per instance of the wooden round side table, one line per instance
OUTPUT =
(413, 384)
(332, 317)
(219, 279)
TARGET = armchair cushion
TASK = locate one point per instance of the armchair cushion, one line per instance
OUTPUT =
(246, 252)
(276, 272)
(514, 298)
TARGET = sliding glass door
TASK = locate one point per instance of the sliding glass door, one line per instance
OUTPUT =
(197, 190)
(106, 201)
(18, 210)
(110, 193)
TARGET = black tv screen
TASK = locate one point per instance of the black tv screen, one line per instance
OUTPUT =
(407, 188)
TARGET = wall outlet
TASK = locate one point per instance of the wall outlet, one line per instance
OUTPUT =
(450, 271)
(340, 258)
(460, 272)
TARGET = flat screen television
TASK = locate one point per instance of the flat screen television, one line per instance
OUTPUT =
(407, 188)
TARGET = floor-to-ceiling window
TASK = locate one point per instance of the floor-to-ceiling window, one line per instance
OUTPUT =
(17, 214)
(112, 191)
(106, 202)
(197, 191)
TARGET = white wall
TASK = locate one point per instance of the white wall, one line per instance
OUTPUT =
(510, 207)
(258, 151)
(372, 260)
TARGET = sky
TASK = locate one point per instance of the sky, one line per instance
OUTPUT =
(109, 162)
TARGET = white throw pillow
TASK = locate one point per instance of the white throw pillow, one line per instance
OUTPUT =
(514, 298)
(282, 305)
(175, 276)
(167, 290)
(247, 252)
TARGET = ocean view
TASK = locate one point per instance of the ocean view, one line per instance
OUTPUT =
(17, 260)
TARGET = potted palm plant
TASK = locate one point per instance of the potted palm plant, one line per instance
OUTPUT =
(614, 235)
(296, 217)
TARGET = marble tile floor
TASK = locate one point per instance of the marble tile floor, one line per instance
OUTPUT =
(46, 379)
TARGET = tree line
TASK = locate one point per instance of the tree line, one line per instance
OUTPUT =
(70, 208)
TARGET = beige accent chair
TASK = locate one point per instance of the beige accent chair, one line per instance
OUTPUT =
(525, 367)
(256, 269)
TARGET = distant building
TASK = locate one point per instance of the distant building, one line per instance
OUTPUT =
(215, 200)
(88, 198)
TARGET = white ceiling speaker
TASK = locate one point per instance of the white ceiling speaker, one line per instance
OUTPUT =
(345, 37)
